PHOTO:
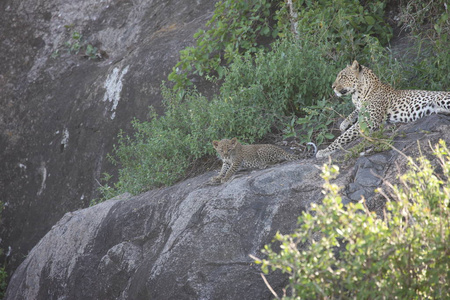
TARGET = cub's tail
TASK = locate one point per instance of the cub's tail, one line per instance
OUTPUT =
(306, 153)
(315, 148)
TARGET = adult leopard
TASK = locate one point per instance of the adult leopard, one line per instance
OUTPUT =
(381, 102)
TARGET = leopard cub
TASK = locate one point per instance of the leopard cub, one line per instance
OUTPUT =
(235, 155)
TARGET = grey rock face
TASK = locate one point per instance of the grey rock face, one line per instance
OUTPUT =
(192, 240)
(61, 112)
(189, 241)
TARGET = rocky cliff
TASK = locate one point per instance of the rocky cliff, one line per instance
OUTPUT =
(192, 240)
(72, 74)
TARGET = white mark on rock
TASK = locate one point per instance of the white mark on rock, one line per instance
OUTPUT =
(43, 171)
(9, 251)
(113, 86)
(65, 138)
(22, 166)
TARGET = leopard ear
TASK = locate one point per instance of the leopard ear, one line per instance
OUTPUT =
(215, 144)
(234, 141)
(357, 68)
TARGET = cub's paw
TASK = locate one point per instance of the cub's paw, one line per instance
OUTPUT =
(215, 180)
(223, 180)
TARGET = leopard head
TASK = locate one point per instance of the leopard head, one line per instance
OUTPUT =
(347, 80)
(225, 147)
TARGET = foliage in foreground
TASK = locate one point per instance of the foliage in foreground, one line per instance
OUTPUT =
(404, 256)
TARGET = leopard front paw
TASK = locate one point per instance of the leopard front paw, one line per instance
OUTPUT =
(323, 153)
(345, 125)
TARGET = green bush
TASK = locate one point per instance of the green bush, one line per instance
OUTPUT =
(235, 27)
(418, 15)
(344, 23)
(431, 69)
(429, 24)
(160, 150)
(238, 27)
(347, 252)
(293, 75)
(286, 88)
(315, 123)
(257, 94)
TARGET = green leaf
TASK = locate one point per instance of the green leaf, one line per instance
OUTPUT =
(370, 20)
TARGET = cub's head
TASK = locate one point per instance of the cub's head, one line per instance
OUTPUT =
(347, 80)
(225, 147)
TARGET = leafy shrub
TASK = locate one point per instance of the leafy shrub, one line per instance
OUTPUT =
(293, 75)
(430, 25)
(160, 150)
(377, 141)
(77, 44)
(255, 97)
(238, 27)
(415, 14)
(235, 27)
(344, 23)
(290, 80)
(430, 70)
(281, 89)
(356, 255)
(314, 125)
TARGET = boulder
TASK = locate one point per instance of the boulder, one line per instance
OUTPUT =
(193, 240)
(188, 241)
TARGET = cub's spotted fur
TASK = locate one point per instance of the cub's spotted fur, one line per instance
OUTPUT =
(235, 155)
(382, 103)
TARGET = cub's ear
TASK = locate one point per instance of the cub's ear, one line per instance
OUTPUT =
(234, 142)
(356, 67)
(215, 144)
